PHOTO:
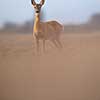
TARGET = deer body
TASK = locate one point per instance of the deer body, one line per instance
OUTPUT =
(47, 30)
(50, 30)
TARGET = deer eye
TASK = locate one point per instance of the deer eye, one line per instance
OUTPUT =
(35, 6)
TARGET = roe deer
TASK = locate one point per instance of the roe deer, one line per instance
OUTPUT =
(50, 30)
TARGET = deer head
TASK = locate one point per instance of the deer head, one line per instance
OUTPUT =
(37, 7)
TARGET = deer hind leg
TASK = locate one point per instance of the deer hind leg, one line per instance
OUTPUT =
(59, 42)
(54, 42)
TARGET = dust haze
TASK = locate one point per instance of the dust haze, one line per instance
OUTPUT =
(68, 74)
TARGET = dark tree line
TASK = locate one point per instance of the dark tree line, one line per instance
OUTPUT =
(93, 24)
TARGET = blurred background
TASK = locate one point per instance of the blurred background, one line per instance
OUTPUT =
(71, 73)
(75, 15)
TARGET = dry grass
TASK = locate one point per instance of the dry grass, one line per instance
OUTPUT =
(70, 74)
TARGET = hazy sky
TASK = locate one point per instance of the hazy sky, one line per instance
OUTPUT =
(66, 11)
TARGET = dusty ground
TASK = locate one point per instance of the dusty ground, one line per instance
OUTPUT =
(69, 74)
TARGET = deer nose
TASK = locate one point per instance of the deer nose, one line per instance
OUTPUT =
(37, 11)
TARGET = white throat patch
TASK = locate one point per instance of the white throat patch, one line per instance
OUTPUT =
(36, 14)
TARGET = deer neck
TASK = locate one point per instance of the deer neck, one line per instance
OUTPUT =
(36, 22)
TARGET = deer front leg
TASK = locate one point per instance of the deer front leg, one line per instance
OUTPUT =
(43, 45)
(37, 45)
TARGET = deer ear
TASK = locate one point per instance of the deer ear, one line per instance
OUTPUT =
(42, 2)
(33, 2)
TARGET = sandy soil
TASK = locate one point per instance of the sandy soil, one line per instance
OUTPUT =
(72, 73)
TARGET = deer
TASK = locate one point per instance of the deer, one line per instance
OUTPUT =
(50, 30)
